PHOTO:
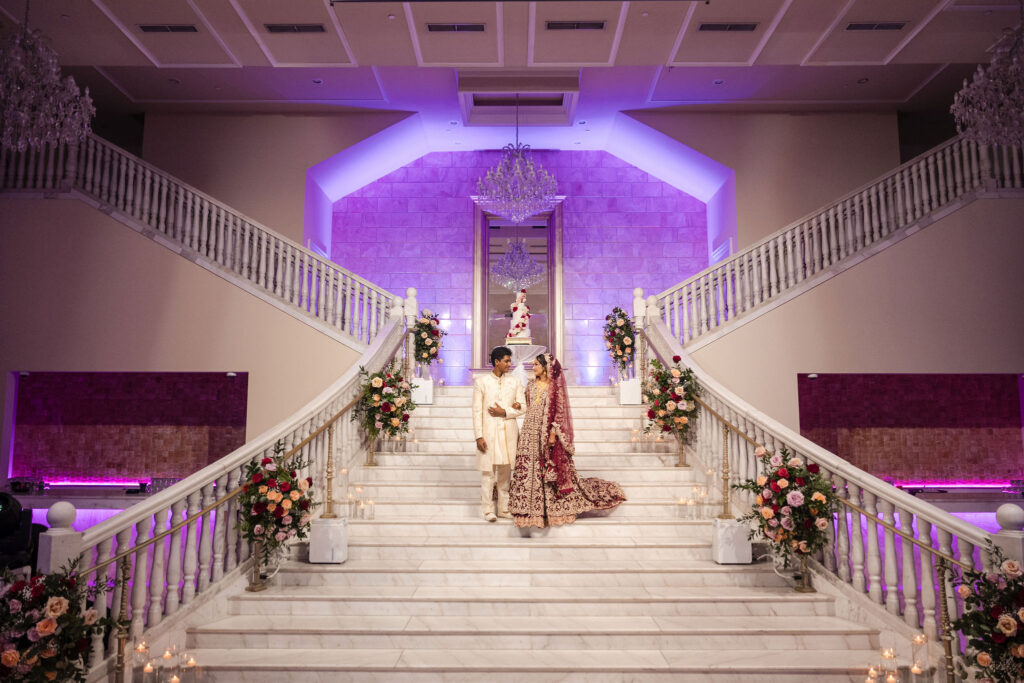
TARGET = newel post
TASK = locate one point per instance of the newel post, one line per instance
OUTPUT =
(1011, 534)
(411, 313)
(639, 319)
(60, 543)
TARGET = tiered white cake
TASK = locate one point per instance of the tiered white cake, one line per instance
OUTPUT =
(519, 331)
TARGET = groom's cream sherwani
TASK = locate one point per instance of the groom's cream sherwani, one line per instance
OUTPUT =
(501, 434)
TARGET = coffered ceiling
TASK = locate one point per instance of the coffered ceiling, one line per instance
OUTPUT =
(720, 54)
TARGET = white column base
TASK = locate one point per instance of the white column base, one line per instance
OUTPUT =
(729, 543)
(328, 541)
(629, 392)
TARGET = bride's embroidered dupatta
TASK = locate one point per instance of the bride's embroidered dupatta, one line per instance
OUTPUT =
(559, 422)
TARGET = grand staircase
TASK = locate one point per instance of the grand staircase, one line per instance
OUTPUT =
(432, 591)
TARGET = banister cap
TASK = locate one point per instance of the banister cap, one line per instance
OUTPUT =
(61, 515)
(1010, 517)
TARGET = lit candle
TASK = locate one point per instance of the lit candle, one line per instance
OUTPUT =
(141, 647)
(166, 655)
(191, 662)
(872, 672)
(888, 653)
(891, 678)
(920, 639)
(148, 668)
(175, 679)
(916, 669)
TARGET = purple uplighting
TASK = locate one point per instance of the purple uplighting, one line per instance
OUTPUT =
(131, 483)
(953, 484)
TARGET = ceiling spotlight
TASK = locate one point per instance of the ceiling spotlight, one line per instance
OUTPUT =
(719, 81)
(578, 143)
(453, 123)
(391, 17)
(645, 14)
(812, 375)
(174, 81)
(318, 81)
(582, 122)
(861, 81)
(232, 374)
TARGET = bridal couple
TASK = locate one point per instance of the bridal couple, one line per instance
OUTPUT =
(533, 469)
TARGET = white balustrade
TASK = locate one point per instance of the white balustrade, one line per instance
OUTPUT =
(864, 550)
(855, 222)
(203, 227)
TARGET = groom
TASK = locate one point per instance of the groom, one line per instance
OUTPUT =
(498, 400)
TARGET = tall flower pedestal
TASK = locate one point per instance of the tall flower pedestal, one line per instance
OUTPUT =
(630, 393)
(259, 557)
(422, 386)
(328, 541)
(729, 542)
(805, 578)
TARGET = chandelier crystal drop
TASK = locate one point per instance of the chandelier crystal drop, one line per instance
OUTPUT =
(37, 106)
(990, 109)
(516, 269)
(517, 187)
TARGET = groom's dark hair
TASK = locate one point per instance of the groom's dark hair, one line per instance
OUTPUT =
(499, 352)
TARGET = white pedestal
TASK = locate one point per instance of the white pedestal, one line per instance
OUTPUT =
(729, 544)
(422, 390)
(629, 392)
(328, 541)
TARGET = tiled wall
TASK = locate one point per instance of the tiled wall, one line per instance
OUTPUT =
(623, 228)
(125, 426)
(939, 428)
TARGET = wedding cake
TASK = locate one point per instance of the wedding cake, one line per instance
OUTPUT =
(519, 331)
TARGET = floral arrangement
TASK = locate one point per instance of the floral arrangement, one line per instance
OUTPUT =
(793, 505)
(670, 393)
(275, 504)
(385, 403)
(993, 619)
(620, 338)
(427, 335)
(45, 629)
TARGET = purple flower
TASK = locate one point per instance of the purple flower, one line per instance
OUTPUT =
(773, 522)
(258, 529)
(33, 635)
(280, 536)
(786, 510)
(14, 606)
(286, 520)
(775, 460)
(787, 523)
(795, 498)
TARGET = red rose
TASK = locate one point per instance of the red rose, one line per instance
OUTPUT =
(651, 414)
(257, 478)
(309, 480)
(259, 508)
(676, 359)
(304, 503)
(813, 469)
(385, 406)
(800, 481)
(245, 488)
(607, 317)
(285, 487)
(266, 461)
(38, 590)
(17, 587)
(782, 472)
(405, 417)
(774, 487)
(666, 428)
(523, 291)
(294, 474)
(808, 523)
(515, 308)
(271, 483)
(435, 332)
(996, 611)
(82, 645)
(775, 508)
(279, 512)
(998, 637)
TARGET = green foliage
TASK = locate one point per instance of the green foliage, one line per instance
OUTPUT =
(670, 394)
(620, 338)
(428, 335)
(385, 403)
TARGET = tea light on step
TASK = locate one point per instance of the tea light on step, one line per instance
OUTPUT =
(142, 648)
(917, 669)
(166, 655)
(891, 678)
(362, 510)
(872, 672)
(148, 669)
(370, 507)
(175, 679)
(920, 639)
(191, 663)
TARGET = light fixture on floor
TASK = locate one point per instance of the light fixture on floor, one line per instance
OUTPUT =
(39, 107)
(517, 187)
(990, 109)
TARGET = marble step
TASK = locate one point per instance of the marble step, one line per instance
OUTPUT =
(431, 491)
(588, 550)
(689, 573)
(532, 601)
(623, 434)
(478, 528)
(241, 665)
(581, 423)
(470, 507)
(596, 442)
(470, 475)
(424, 413)
(534, 632)
(585, 461)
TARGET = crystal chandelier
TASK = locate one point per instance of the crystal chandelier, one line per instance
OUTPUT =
(516, 188)
(990, 109)
(516, 269)
(37, 106)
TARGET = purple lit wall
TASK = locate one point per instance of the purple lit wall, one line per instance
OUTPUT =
(918, 428)
(118, 426)
(623, 228)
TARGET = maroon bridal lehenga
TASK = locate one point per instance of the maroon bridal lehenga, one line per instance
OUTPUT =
(545, 489)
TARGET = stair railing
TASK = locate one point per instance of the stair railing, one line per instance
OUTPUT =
(192, 523)
(850, 228)
(202, 228)
(885, 543)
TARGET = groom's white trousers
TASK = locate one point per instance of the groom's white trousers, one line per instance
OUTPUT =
(501, 476)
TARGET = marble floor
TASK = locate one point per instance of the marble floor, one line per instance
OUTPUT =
(432, 592)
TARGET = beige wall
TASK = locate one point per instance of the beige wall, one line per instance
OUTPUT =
(82, 292)
(947, 299)
(787, 165)
(256, 164)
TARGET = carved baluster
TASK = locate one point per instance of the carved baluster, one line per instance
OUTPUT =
(928, 581)
(188, 589)
(124, 541)
(1015, 160)
(30, 171)
(859, 538)
(874, 559)
(205, 542)
(945, 547)
(231, 509)
(263, 276)
(892, 598)
(931, 201)
(219, 531)
(174, 560)
(842, 531)
(910, 577)
(139, 579)
(339, 301)
(103, 553)
(157, 576)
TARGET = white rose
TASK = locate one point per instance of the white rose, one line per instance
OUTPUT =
(427, 313)
(1011, 569)
(620, 322)
(627, 341)
(429, 342)
(424, 321)
(423, 334)
(376, 382)
(670, 406)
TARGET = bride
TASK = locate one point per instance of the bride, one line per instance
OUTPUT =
(545, 489)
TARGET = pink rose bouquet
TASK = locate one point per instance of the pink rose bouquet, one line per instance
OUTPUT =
(670, 394)
(620, 338)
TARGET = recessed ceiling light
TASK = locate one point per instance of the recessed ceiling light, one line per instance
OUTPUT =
(453, 123)
(457, 142)
(719, 81)
(391, 17)
(812, 375)
(65, 17)
(577, 143)
(862, 81)
(318, 81)
(645, 14)
(174, 81)
(583, 122)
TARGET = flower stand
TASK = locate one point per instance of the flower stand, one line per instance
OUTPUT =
(328, 541)
(729, 542)
(630, 393)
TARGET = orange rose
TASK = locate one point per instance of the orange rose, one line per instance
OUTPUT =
(984, 659)
(10, 658)
(47, 626)
(47, 653)
(56, 606)
(51, 675)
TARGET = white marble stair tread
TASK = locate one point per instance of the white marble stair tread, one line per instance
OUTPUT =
(537, 625)
(755, 665)
(567, 567)
(437, 473)
(524, 542)
(477, 527)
